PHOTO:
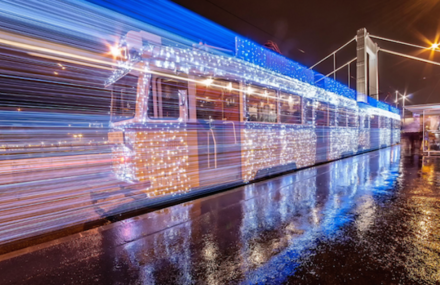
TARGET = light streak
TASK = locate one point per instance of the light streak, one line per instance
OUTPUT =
(89, 131)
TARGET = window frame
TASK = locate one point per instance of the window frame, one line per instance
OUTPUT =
(245, 105)
(280, 116)
(152, 90)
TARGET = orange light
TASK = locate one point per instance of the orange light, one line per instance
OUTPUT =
(115, 51)
(122, 159)
(435, 46)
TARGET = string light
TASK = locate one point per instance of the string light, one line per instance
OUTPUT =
(160, 154)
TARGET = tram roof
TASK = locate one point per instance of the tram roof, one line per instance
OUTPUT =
(190, 26)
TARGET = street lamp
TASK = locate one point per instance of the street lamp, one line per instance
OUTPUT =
(397, 100)
(435, 46)
(403, 107)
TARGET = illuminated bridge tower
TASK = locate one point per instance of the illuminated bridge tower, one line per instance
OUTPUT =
(367, 76)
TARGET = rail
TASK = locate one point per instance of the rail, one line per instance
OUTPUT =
(233, 127)
(209, 149)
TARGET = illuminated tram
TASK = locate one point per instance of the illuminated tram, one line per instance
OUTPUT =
(185, 119)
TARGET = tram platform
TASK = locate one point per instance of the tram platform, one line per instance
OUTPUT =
(366, 219)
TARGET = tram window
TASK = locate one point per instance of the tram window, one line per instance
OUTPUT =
(396, 124)
(383, 122)
(261, 104)
(332, 115)
(124, 98)
(366, 121)
(342, 117)
(321, 114)
(290, 108)
(308, 111)
(218, 101)
(165, 95)
(374, 122)
(352, 119)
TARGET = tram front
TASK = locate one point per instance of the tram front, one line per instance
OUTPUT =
(149, 120)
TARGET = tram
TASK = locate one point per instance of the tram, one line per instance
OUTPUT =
(185, 119)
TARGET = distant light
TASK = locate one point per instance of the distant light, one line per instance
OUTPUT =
(56, 73)
(229, 86)
(208, 81)
(18, 109)
(115, 51)
(435, 46)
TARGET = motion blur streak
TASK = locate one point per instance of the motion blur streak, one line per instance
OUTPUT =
(262, 233)
(102, 114)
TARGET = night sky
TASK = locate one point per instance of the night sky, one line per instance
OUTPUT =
(307, 31)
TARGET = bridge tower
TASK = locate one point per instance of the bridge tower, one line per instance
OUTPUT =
(367, 79)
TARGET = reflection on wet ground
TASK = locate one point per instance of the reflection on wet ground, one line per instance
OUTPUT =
(368, 219)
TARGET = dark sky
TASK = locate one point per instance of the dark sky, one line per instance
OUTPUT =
(307, 31)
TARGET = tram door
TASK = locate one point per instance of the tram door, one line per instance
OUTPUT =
(218, 132)
(374, 132)
(322, 131)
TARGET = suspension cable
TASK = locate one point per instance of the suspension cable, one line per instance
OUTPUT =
(332, 53)
(339, 68)
(410, 56)
(403, 43)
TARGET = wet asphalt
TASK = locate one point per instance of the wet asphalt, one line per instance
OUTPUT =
(368, 219)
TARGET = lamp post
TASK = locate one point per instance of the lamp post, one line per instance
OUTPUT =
(403, 107)
(397, 101)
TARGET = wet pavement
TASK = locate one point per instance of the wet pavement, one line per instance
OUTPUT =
(369, 219)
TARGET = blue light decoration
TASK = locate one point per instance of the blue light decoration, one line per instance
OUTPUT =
(197, 29)
(372, 102)
(261, 56)
(172, 20)
(394, 110)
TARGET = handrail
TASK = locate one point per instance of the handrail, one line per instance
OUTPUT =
(233, 126)
(215, 150)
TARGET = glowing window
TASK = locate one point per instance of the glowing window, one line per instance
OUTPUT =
(374, 122)
(352, 119)
(124, 98)
(218, 100)
(290, 108)
(165, 97)
(308, 111)
(321, 114)
(332, 115)
(342, 117)
(261, 104)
